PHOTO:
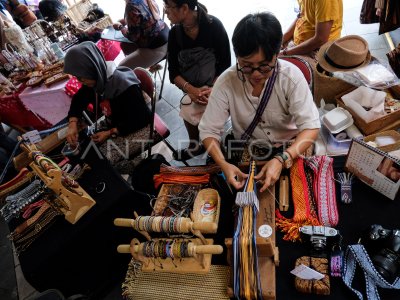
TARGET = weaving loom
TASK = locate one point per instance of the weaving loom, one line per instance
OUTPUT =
(76, 199)
(254, 253)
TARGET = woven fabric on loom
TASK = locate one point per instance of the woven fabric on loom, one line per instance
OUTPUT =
(172, 286)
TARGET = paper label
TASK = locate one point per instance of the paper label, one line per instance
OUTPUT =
(265, 231)
(32, 136)
(305, 272)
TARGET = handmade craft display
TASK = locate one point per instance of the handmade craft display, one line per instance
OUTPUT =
(178, 211)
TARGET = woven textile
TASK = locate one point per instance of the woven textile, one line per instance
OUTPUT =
(304, 214)
(171, 286)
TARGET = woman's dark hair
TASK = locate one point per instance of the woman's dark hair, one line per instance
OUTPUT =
(192, 4)
(255, 31)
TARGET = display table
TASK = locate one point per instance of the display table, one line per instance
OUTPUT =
(82, 258)
(49, 103)
(14, 113)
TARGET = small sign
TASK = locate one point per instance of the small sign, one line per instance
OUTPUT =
(265, 231)
(32, 136)
(305, 272)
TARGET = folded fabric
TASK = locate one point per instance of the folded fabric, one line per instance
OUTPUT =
(366, 103)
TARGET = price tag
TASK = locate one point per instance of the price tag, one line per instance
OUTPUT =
(305, 272)
(32, 136)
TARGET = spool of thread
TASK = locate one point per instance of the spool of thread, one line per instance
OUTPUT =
(353, 132)
(341, 136)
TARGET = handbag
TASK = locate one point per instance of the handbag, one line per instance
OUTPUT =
(197, 65)
(390, 18)
(368, 12)
(191, 112)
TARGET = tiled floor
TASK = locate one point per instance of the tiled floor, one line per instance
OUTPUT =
(229, 12)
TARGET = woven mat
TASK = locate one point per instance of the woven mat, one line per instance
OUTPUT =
(171, 286)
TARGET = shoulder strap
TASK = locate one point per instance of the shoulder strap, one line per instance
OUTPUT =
(153, 9)
(263, 104)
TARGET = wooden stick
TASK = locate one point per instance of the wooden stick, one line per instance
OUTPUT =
(283, 193)
(192, 249)
(187, 225)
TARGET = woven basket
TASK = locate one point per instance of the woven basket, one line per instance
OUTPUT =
(100, 24)
(327, 88)
(387, 122)
(391, 133)
(204, 197)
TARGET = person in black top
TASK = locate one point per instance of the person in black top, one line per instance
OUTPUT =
(118, 95)
(198, 52)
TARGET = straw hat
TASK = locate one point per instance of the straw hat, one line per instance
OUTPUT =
(345, 54)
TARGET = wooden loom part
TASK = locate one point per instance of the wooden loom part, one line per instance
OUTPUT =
(78, 201)
(283, 193)
(268, 253)
(199, 263)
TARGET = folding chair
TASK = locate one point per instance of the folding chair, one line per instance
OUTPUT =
(160, 128)
(304, 67)
(156, 69)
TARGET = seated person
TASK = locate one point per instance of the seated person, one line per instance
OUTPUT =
(260, 79)
(198, 52)
(143, 26)
(119, 96)
(319, 21)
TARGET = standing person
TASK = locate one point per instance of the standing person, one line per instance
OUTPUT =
(119, 96)
(268, 100)
(319, 21)
(198, 52)
(148, 32)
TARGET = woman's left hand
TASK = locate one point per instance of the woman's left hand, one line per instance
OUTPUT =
(269, 173)
(101, 136)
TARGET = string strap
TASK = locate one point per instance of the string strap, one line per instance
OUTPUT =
(263, 104)
(357, 255)
(346, 181)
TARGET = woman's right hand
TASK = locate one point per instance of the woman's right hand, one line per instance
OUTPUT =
(72, 133)
(233, 175)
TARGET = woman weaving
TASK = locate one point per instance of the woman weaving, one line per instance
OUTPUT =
(268, 100)
(119, 96)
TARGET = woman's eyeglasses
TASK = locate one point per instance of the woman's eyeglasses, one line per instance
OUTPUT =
(263, 69)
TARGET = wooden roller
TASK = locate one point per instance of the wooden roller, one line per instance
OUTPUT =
(284, 193)
(192, 249)
(186, 226)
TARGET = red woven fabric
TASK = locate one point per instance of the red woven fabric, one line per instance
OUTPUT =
(110, 49)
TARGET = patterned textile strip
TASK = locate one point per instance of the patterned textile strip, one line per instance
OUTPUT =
(172, 178)
(303, 213)
(263, 103)
(195, 170)
(324, 189)
(356, 254)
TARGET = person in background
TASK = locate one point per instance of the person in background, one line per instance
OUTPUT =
(118, 94)
(319, 21)
(198, 52)
(259, 78)
(148, 33)
(51, 10)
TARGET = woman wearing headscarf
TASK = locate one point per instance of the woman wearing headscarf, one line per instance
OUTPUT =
(148, 33)
(198, 52)
(118, 95)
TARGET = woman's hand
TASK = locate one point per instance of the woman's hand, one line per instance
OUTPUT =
(200, 95)
(101, 136)
(233, 175)
(72, 133)
(269, 173)
(117, 26)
